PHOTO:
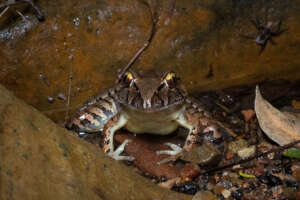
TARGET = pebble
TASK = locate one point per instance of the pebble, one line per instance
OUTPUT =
(204, 195)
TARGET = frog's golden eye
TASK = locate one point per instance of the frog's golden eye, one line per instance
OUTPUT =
(129, 76)
(170, 80)
(170, 76)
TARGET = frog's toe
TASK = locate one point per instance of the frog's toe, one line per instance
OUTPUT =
(116, 154)
(176, 149)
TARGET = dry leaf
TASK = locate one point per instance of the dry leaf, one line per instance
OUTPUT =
(281, 127)
(248, 114)
(296, 104)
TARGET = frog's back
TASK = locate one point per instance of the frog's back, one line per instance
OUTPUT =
(93, 115)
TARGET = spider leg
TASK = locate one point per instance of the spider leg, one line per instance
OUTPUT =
(262, 48)
(277, 33)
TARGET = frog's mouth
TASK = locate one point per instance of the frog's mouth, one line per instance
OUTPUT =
(151, 108)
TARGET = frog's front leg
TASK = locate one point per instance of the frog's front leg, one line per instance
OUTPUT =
(193, 124)
(109, 130)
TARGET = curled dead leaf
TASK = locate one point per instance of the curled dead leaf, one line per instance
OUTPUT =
(281, 127)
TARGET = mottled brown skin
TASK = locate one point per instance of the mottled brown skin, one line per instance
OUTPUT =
(145, 102)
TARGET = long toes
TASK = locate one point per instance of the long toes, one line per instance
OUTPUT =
(175, 150)
(174, 147)
(121, 148)
(167, 152)
(116, 154)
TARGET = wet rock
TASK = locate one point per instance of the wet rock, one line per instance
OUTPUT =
(205, 154)
(144, 152)
(270, 180)
(188, 188)
(104, 35)
(40, 160)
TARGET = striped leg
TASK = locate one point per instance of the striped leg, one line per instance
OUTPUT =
(110, 128)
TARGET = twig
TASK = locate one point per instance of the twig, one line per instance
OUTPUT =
(146, 44)
(4, 11)
(69, 91)
(171, 11)
(279, 149)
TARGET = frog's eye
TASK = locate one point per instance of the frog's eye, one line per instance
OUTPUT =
(170, 79)
(129, 78)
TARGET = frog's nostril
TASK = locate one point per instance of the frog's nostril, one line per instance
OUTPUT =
(147, 104)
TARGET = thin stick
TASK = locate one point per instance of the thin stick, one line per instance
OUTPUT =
(146, 44)
(279, 149)
(69, 90)
(171, 11)
(4, 11)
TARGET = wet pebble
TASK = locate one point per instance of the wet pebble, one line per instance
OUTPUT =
(188, 188)
(237, 194)
(61, 96)
(270, 180)
(50, 99)
(204, 195)
(293, 184)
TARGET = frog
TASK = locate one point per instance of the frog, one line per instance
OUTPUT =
(143, 102)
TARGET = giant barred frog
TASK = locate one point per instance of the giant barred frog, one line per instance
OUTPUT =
(144, 102)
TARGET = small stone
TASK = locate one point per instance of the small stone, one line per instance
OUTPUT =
(237, 145)
(226, 193)
(204, 195)
(189, 172)
(61, 96)
(50, 99)
(237, 194)
(204, 155)
(247, 152)
(295, 168)
(189, 188)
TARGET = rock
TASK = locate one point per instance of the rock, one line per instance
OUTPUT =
(40, 160)
(102, 36)
(144, 152)
(189, 172)
(205, 154)
(237, 145)
(204, 195)
(247, 152)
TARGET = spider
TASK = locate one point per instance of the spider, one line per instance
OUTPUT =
(265, 33)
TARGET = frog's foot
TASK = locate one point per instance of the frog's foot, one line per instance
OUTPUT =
(175, 149)
(116, 154)
(175, 153)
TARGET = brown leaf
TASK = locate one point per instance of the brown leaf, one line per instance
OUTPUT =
(248, 114)
(281, 127)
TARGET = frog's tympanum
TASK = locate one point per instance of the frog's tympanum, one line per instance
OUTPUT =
(144, 102)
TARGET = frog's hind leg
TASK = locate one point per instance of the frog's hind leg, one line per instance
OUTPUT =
(110, 128)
